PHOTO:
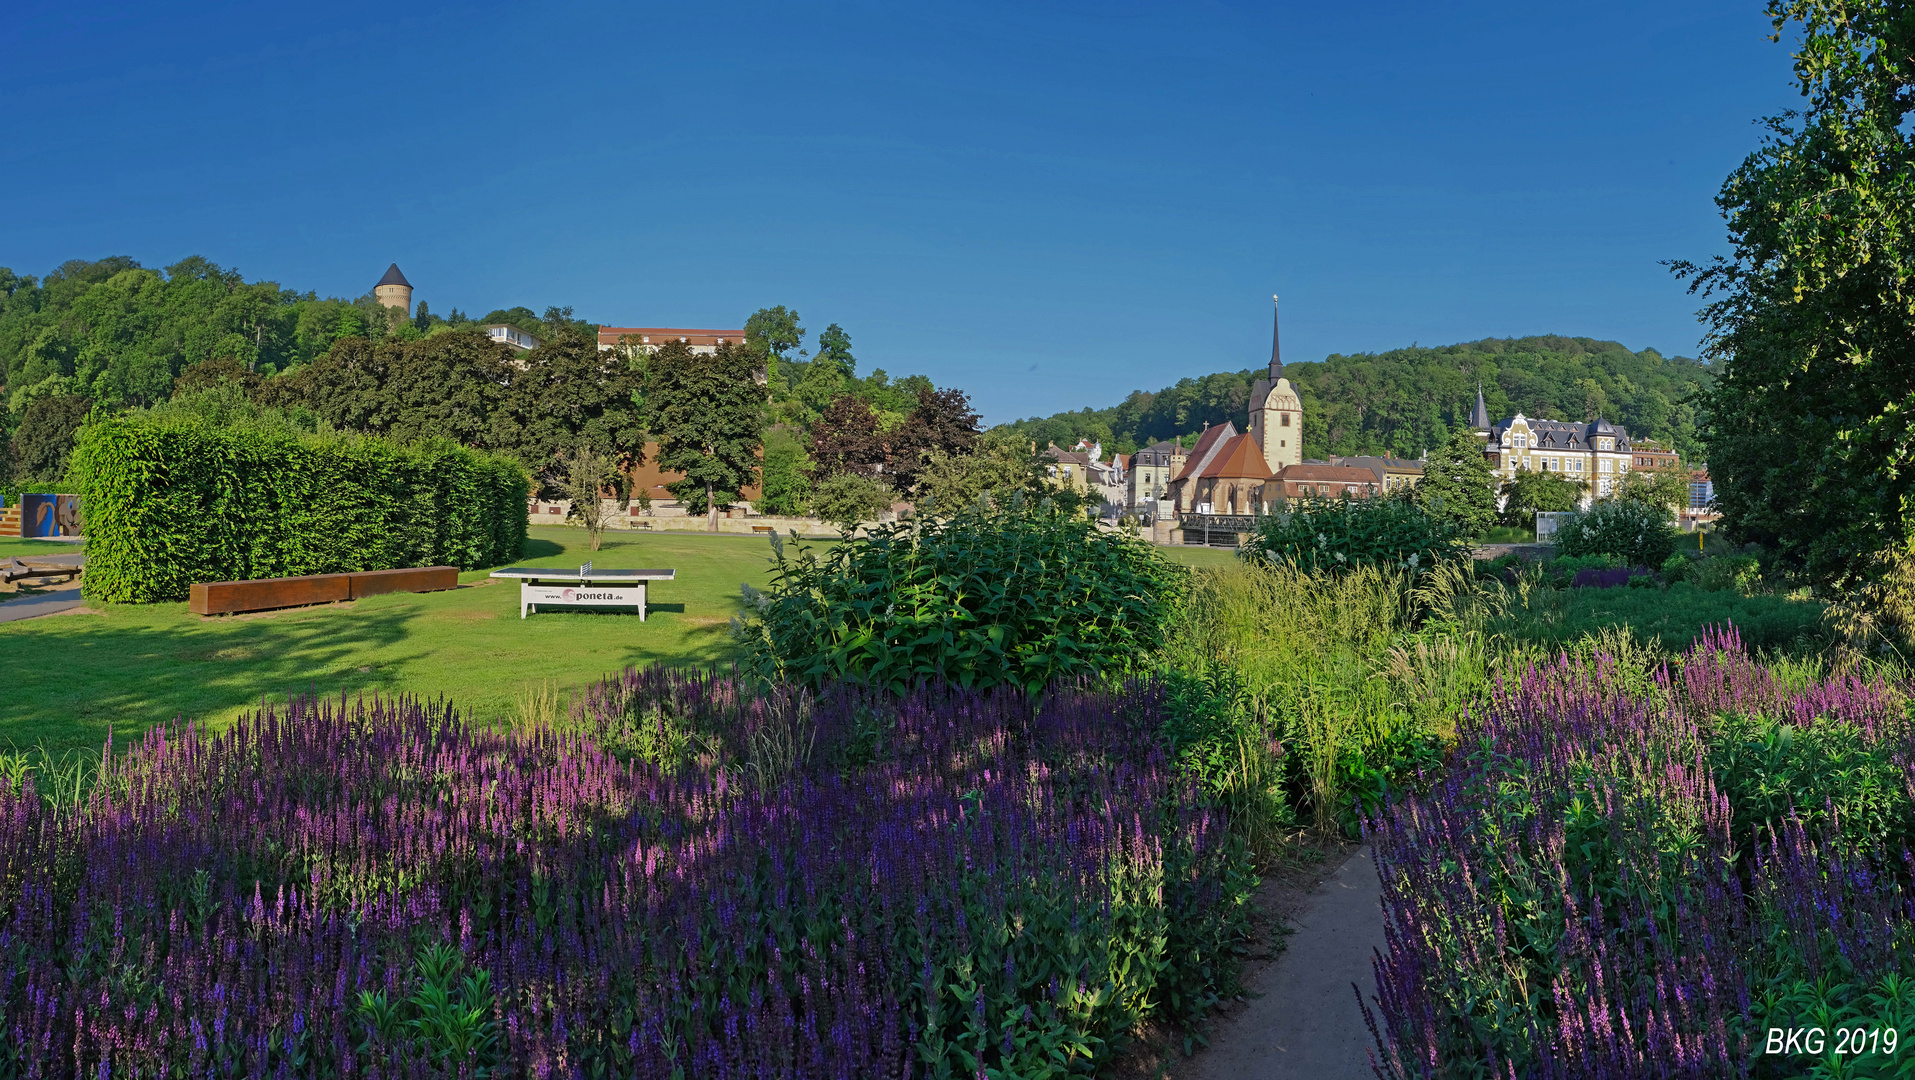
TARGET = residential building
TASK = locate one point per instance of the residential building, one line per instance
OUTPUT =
(1147, 486)
(651, 338)
(1596, 454)
(1069, 469)
(1650, 454)
(511, 335)
(1392, 473)
(1324, 480)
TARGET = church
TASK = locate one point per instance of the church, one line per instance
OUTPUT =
(1249, 472)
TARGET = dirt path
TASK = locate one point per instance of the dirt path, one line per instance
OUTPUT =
(1307, 1023)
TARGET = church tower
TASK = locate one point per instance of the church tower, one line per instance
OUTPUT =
(1276, 413)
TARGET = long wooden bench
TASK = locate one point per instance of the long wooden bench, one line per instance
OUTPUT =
(264, 594)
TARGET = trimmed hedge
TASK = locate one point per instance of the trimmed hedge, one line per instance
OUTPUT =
(173, 502)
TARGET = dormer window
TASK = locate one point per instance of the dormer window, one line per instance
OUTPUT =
(1522, 442)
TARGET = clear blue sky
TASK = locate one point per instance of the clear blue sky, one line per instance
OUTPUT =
(1047, 205)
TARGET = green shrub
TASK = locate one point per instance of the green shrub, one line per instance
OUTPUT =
(1636, 532)
(1022, 594)
(1343, 534)
(1677, 567)
(1730, 573)
(1829, 773)
(171, 502)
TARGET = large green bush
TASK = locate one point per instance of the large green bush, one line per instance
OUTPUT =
(1344, 533)
(1636, 532)
(174, 501)
(1021, 594)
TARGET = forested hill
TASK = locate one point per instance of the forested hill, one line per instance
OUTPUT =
(1405, 401)
(112, 330)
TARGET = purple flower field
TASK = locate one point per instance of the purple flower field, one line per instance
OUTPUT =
(1640, 873)
(990, 886)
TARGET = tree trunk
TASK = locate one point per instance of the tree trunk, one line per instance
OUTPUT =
(711, 506)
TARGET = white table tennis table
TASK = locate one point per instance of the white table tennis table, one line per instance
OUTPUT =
(584, 587)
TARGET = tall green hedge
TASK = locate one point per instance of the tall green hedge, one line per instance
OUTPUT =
(171, 502)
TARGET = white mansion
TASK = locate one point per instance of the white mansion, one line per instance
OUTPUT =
(1596, 454)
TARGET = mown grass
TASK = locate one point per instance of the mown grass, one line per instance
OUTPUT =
(13, 545)
(66, 678)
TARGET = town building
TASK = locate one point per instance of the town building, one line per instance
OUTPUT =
(394, 291)
(1650, 454)
(1324, 480)
(650, 339)
(1148, 477)
(511, 335)
(1392, 473)
(1596, 454)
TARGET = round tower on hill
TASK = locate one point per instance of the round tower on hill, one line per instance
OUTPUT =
(394, 290)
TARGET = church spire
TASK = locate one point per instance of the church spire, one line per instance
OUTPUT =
(1479, 418)
(1276, 352)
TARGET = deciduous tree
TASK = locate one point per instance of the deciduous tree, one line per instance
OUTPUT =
(1811, 427)
(707, 411)
(846, 439)
(1458, 484)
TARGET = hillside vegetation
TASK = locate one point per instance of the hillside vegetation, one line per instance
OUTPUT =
(1405, 401)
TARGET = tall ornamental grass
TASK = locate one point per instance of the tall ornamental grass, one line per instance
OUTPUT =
(1638, 869)
(675, 879)
(175, 500)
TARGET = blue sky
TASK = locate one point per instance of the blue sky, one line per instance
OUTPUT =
(1047, 205)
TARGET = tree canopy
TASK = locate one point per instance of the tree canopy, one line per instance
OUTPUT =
(707, 411)
(1811, 428)
(1406, 401)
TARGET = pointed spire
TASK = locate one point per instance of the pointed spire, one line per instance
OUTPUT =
(1479, 419)
(1276, 352)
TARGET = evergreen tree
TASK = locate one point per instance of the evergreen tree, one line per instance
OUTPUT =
(1458, 484)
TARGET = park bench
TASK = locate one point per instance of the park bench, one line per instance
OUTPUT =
(764, 528)
(264, 594)
(21, 569)
(584, 587)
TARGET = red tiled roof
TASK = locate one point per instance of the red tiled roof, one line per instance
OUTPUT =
(1195, 456)
(1326, 474)
(1242, 459)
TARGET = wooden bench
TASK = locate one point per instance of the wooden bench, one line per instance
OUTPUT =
(764, 528)
(264, 594)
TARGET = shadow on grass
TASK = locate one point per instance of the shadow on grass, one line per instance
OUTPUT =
(536, 548)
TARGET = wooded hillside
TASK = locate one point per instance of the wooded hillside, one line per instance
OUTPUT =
(1405, 401)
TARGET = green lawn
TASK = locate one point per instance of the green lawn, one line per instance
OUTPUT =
(1197, 555)
(13, 545)
(65, 678)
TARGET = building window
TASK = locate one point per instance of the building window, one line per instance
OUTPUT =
(1286, 419)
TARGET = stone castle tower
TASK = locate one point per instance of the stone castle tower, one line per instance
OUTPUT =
(394, 290)
(1276, 413)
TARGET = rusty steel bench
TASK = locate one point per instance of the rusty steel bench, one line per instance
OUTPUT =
(264, 594)
(21, 569)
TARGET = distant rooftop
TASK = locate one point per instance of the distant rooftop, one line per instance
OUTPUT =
(394, 277)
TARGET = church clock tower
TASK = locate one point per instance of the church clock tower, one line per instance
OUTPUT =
(1276, 413)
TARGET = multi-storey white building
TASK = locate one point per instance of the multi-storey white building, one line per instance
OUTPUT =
(1596, 454)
